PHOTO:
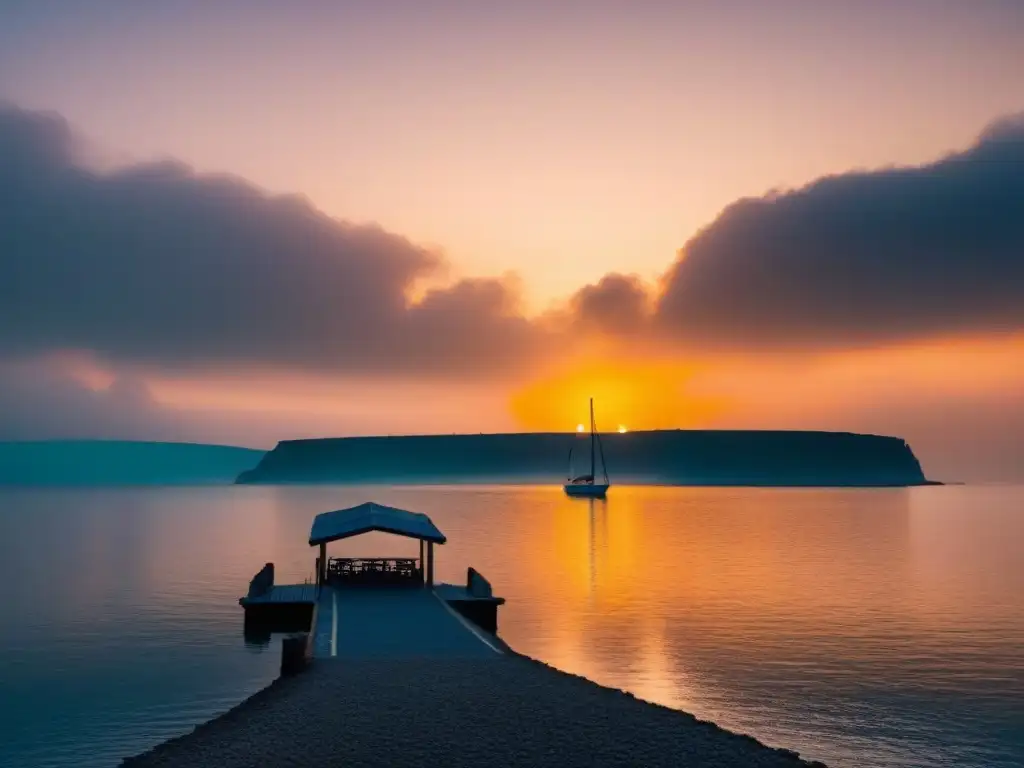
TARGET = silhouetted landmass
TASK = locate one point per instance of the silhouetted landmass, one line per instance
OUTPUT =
(113, 462)
(678, 457)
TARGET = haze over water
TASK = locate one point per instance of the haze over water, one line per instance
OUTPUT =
(861, 627)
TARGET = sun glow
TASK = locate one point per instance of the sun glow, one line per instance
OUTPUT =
(643, 394)
(622, 429)
(579, 427)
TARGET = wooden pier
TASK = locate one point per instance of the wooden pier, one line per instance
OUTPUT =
(377, 607)
(407, 672)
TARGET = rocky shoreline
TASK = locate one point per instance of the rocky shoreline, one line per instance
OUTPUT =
(506, 711)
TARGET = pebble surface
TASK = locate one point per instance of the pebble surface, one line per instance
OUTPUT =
(508, 710)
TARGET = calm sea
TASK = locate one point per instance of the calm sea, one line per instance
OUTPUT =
(861, 627)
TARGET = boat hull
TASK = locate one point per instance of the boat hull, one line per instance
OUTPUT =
(586, 490)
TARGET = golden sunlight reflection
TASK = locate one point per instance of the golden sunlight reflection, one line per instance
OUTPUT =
(756, 608)
(656, 676)
(632, 590)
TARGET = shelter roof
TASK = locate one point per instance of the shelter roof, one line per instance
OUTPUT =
(370, 516)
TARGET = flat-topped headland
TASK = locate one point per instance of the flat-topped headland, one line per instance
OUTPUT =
(668, 457)
(34, 463)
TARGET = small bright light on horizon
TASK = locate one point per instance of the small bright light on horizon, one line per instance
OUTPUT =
(579, 427)
(621, 428)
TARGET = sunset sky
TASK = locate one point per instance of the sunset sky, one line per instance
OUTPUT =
(247, 221)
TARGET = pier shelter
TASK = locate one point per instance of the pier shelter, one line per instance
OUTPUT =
(364, 518)
(367, 607)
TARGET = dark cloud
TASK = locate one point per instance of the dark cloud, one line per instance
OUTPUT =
(615, 303)
(862, 258)
(158, 265)
(39, 400)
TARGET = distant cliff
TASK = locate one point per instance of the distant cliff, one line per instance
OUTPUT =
(116, 462)
(682, 457)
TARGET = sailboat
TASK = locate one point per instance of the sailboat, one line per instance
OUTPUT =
(587, 485)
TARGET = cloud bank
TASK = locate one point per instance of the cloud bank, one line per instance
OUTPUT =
(157, 265)
(156, 268)
(39, 400)
(160, 266)
(862, 258)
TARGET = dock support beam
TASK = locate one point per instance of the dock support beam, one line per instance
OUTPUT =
(430, 564)
(321, 576)
(423, 564)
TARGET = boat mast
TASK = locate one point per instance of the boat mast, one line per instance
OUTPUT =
(593, 429)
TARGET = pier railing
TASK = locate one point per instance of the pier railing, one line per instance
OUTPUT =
(374, 570)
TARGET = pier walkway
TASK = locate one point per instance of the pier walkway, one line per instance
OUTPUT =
(394, 623)
(406, 673)
(378, 607)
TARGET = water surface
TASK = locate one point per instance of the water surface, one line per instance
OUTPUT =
(859, 627)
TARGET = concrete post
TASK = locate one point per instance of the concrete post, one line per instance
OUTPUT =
(321, 577)
(423, 565)
(294, 654)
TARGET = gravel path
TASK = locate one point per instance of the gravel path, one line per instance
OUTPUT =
(504, 711)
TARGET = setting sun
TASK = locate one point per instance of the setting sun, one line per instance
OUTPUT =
(622, 429)
(646, 394)
(579, 427)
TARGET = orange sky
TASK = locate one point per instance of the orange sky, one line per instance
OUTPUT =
(549, 147)
(919, 391)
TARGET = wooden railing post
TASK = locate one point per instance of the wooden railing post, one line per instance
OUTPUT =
(430, 564)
